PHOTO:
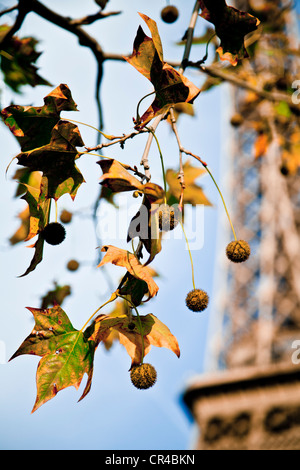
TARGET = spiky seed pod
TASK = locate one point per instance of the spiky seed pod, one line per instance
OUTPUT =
(143, 376)
(197, 300)
(54, 233)
(72, 265)
(238, 251)
(168, 218)
(169, 14)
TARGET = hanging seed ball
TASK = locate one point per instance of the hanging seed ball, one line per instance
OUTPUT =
(54, 233)
(236, 120)
(197, 300)
(238, 251)
(169, 14)
(72, 265)
(65, 216)
(143, 376)
(168, 218)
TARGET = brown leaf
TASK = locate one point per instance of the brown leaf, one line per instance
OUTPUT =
(154, 332)
(193, 194)
(117, 178)
(127, 260)
(170, 86)
(232, 26)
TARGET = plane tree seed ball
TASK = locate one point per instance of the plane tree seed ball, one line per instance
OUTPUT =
(169, 14)
(238, 251)
(54, 233)
(168, 218)
(65, 216)
(197, 300)
(72, 265)
(143, 376)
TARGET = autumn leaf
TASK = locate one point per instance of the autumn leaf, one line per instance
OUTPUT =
(155, 333)
(133, 289)
(231, 26)
(193, 194)
(38, 212)
(117, 178)
(145, 226)
(123, 258)
(291, 153)
(55, 296)
(32, 126)
(170, 86)
(27, 179)
(23, 230)
(57, 160)
(66, 354)
(17, 60)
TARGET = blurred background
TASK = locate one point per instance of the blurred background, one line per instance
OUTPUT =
(251, 143)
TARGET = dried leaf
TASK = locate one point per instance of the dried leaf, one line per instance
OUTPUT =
(57, 160)
(155, 333)
(127, 260)
(193, 194)
(32, 126)
(170, 86)
(117, 178)
(231, 26)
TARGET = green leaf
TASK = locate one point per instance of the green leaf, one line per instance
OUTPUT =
(66, 354)
(17, 60)
(55, 296)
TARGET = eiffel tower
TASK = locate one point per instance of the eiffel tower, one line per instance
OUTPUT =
(249, 396)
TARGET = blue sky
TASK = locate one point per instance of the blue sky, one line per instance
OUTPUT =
(114, 415)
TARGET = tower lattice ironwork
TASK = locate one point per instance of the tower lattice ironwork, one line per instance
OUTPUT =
(256, 313)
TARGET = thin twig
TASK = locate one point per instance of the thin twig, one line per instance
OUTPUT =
(89, 19)
(186, 54)
(218, 72)
(181, 171)
(116, 140)
(8, 10)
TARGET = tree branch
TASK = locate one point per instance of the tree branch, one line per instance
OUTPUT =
(89, 19)
(217, 72)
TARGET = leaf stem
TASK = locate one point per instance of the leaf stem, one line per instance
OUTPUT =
(139, 323)
(108, 137)
(188, 246)
(113, 297)
(55, 210)
(162, 162)
(224, 204)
